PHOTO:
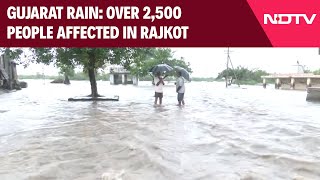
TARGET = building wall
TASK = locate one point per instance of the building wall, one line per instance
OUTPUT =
(111, 79)
(122, 78)
(300, 83)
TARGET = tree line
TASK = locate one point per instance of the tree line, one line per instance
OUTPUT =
(242, 75)
(136, 60)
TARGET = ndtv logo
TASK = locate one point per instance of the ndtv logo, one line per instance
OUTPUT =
(288, 18)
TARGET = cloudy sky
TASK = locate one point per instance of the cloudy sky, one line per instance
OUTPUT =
(208, 62)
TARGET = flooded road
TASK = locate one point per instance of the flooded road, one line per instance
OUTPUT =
(227, 134)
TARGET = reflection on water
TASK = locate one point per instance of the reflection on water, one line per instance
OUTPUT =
(250, 133)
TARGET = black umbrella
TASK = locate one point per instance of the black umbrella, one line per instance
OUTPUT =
(184, 73)
(160, 68)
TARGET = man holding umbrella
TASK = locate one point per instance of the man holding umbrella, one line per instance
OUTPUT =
(158, 83)
(180, 88)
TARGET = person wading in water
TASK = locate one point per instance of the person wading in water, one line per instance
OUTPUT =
(180, 89)
(158, 82)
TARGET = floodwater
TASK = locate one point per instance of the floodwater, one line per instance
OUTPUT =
(220, 134)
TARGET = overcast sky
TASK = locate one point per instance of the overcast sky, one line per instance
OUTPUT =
(208, 62)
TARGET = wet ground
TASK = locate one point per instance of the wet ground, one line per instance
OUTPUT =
(234, 133)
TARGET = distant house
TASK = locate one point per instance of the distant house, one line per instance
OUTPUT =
(119, 75)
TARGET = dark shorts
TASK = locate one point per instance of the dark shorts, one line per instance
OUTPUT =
(159, 95)
(180, 96)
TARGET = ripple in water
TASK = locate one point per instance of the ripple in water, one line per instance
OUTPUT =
(234, 134)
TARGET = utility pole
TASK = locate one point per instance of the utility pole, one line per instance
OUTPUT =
(227, 73)
(300, 67)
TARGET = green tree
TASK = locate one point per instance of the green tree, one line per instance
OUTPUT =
(242, 74)
(66, 71)
(316, 72)
(65, 66)
(158, 56)
(91, 59)
(12, 53)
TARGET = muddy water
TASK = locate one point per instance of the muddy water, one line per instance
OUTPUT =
(246, 133)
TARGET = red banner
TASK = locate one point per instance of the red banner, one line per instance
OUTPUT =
(163, 23)
(289, 23)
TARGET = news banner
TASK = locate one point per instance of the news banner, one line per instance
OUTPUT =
(95, 13)
(159, 23)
